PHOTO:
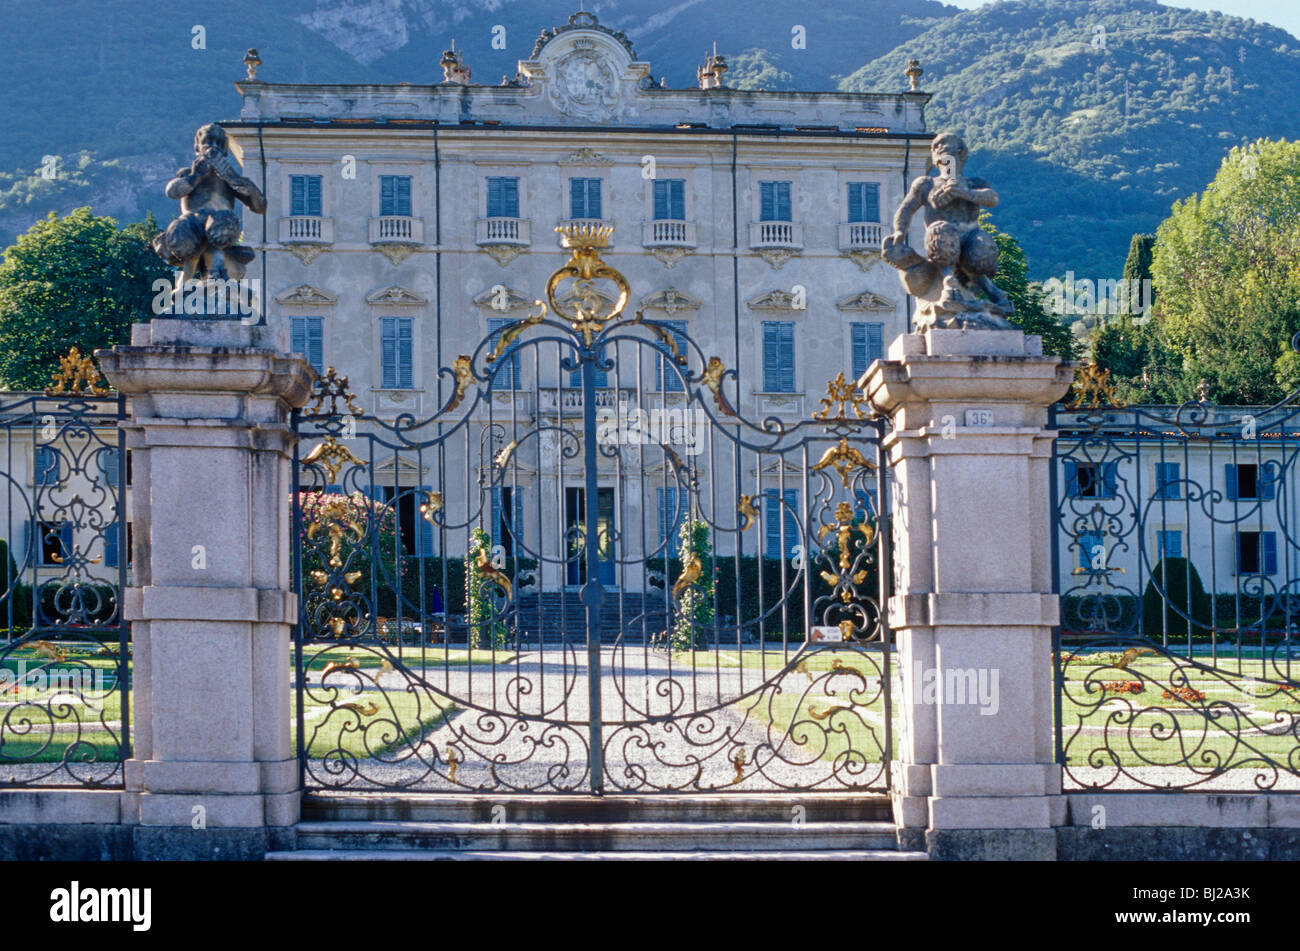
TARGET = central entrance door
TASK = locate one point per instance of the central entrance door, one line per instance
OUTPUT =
(575, 507)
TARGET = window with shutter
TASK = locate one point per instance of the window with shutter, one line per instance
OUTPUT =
(304, 195)
(778, 356)
(502, 197)
(584, 198)
(774, 201)
(47, 465)
(1169, 544)
(110, 545)
(778, 518)
(864, 201)
(671, 515)
(666, 378)
(509, 374)
(395, 195)
(306, 337)
(1092, 550)
(1168, 479)
(396, 353)
(867, 345)
(670, 199)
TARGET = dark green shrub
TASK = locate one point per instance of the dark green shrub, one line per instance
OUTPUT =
(1166, 605)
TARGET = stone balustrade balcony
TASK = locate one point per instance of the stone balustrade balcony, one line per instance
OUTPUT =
(860, 236)
(669, 234)
(396, 229)
(306, 229)
(510, 231)
(776, 234)
(568, 402)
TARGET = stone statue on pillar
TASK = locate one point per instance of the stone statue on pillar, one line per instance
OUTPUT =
(203, 240)
(953, 281)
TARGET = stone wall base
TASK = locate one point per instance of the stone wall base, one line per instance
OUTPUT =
(87, 842)
(1126, 844)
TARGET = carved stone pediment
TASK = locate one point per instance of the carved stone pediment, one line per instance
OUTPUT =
(395, 295)
(671, 301)
(773, 300)
(502, 299)
(865, 300)
(306, 294)
(586, 156)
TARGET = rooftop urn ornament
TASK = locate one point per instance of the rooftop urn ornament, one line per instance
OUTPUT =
(913, 74)
(960, 257)
(251, 62)
(454, 69)
(203, 240)
(714, 68)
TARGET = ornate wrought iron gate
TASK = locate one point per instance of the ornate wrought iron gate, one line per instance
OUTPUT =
(65, 652)
(586, 570)
(1175, 552)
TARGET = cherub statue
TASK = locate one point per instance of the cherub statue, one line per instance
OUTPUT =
(960, 257)
(202, 241)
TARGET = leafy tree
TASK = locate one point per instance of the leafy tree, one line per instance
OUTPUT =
(72, 281)
(1225, 270)
(1031, 314)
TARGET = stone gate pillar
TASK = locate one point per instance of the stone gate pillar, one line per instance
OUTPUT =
(973, 607)
(213, 772)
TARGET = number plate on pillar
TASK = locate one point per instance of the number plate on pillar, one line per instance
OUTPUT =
(979, 417)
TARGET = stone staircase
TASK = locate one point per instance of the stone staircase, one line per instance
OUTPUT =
(550, 616)
(415, 827)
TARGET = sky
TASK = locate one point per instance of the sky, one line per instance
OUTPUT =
(1280, 13)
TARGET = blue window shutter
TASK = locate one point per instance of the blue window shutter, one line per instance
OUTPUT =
(864, 201)
(387, 196)
(508, 376)
(787, 358)
(334, 489)
(772, 527)
(403, 194)
(1268, 553)
(670, 199)
(858, 346)
(1230, 475)
(1087, 542)
(389, 355)
(783, 210)
(304, 195)
(517, 524)
(584, 198)
(1110, 479)
(503, 197)
(1167, 479)
(315, 344)
(1071, 479)
(766, 201)
(666, 379)
(65, 539)
(778, 356)
(1266, 482)
(408, 363)
(110, 545)
(110, 466)
(593, 198)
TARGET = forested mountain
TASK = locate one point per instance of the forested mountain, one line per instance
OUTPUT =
(116, 87)
(1093, 116)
